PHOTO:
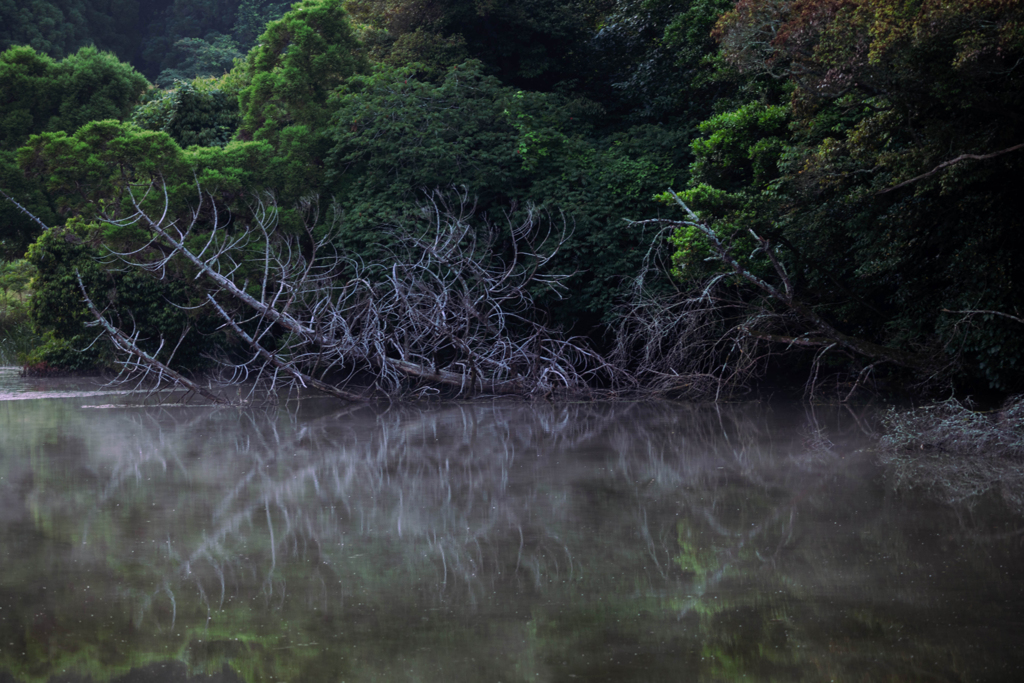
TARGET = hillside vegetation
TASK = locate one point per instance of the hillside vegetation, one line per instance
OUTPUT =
(533, 197)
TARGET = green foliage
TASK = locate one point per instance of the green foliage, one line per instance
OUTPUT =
(396, 135)
(527, 43)
(16, 229)
(16, 336)
(300, 60)
(94, 85)
(286, 85)
(253, 17)
(54, 28)
(92, 172)
(236, 170)
(60, 27)
(170, 22)
(214, 55)
(880, 93)
(136, 299)
(40, 94)
(660, 61)
(29, 83)
(56, 304)
(197, 112)
(435, 52)
(740, 148)
(735, 163)
(834, 130)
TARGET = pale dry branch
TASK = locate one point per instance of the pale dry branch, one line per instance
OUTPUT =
(972, 312)
(137, 362)
(952, 162)
(450, 306)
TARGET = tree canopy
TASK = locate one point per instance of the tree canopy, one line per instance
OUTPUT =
(882, 156)
(846, 173)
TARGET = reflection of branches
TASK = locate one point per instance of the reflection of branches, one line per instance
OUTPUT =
(780, 519)
(585, 513)
(957, 454)
(461, 498)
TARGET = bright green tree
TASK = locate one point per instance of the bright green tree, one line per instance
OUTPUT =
(40, 94)
(94, 172)
(37, 94)
(300, 60)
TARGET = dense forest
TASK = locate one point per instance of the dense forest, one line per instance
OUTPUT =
(694, 198)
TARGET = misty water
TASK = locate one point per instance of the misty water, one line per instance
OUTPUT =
(482, 541)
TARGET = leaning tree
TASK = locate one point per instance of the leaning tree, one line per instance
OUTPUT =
(446, 308)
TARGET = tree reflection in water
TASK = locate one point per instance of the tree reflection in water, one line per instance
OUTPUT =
(485, 542)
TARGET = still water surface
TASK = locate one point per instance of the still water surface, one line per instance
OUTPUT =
(482, 542)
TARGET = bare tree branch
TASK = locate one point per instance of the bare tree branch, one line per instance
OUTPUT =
(970, 312)
(785, 296)
(712, 339)
(451, 304)
(128, 345)
(35, 219)
(951, 162)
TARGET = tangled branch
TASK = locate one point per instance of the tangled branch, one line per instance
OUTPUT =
(448, 309)
(712, 339)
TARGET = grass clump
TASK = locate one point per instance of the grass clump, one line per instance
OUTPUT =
(956, 454)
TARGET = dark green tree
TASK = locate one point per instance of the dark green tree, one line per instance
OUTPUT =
(214, 56)
(198, 112)
(60, 27)
(533, 44)
(893, 195)
(40, 94)
(656, 60)
(252, 19)
(207, 20)
(396, 136)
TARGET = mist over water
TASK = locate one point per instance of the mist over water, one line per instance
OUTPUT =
(483, 542)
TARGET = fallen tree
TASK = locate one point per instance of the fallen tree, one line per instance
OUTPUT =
(448, 310)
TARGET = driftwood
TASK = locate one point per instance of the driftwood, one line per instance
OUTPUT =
(448, 310)
(141, 366)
